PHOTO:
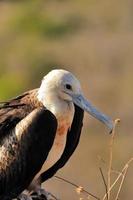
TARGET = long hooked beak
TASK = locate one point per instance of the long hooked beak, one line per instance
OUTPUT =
(83, 103)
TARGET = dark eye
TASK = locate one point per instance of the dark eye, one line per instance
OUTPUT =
(69, 87)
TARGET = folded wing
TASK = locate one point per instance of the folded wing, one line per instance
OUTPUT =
(27, 132)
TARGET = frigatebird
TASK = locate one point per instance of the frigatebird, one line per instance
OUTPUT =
(39, 131)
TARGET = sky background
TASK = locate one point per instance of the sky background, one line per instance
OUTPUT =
(94, 40)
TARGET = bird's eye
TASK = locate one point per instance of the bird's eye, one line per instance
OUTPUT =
(69, 87)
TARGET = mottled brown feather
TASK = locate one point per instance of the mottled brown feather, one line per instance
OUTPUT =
(16, 109)
(21, 128)
(20, 106)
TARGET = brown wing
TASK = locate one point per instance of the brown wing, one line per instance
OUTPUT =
(16, 109)
(27, 132)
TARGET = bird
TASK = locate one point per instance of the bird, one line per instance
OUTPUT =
(39, 131)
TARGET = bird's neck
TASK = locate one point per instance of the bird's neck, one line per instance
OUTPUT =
(60, 107)
(57, 106)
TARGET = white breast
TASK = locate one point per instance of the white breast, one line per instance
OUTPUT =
(64, 124)
(58, 145)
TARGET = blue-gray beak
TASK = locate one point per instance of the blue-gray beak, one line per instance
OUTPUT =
(83, 103)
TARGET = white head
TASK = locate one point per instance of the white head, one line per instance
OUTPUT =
(59, 83)
(60, 86)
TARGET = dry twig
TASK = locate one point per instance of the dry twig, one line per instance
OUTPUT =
(78, 187)
(111, 157)
(104, 181)
(121, 184)
(126, 166)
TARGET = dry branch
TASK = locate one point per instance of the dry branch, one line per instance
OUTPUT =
(79, 189)
(111, 158)
(121, 174)
(104, 181)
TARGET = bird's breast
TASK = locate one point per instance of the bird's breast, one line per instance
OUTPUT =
(59, 143)
(64, 125)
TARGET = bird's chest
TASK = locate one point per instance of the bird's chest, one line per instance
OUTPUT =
(64, 114)
(64, 124)
(58, 145)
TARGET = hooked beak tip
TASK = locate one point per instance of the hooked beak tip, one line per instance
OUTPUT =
(110, 131)
(109, 123)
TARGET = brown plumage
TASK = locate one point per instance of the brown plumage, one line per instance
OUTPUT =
(17, 146)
